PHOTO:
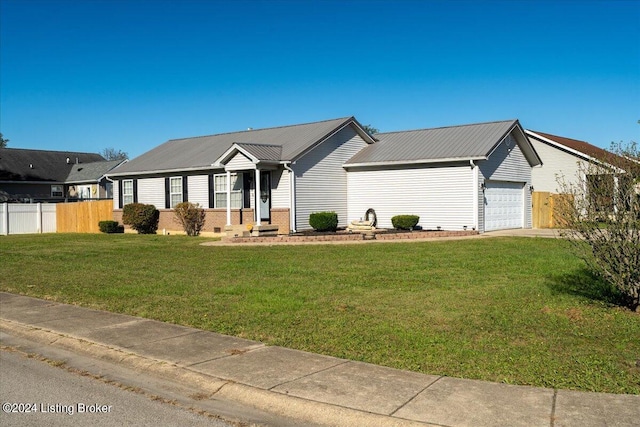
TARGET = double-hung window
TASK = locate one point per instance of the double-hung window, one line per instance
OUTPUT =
(175, 191)
(127, 192)
(220, 189)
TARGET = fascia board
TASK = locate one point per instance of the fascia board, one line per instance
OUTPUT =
(226, 156)
(563, 147)
(530, 148)
(413, 162)
(501, 140)
(305, 151)
(163, 171)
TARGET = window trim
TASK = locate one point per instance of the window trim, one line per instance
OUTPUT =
(124, 193)
(238, 193)
(172, 205)
(59, 193)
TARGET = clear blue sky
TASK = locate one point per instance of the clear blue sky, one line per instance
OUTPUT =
(84, 75)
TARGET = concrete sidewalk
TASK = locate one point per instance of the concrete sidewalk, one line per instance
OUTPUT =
(311, 388)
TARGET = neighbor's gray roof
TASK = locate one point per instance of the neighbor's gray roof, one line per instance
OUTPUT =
(464, 142)
(91, 172)
(17, 164)
(202, 152)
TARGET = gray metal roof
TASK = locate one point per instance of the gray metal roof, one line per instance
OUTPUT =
(91, 172)
(474, 141)
(263, 151)
(202, 152)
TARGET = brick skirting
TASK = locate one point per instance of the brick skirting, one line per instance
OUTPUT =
(341, 237)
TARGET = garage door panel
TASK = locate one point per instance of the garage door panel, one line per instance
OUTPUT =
(504, 205)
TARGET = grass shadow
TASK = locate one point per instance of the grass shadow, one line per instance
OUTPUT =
(584, 283)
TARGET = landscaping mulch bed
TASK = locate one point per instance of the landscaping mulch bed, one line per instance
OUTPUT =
(344, 235)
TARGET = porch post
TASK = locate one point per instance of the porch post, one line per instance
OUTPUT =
(228, 197)
(258, 214)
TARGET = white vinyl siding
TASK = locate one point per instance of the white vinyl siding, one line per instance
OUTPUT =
(441, 196)
(280, 183)
(556, 164)
(151, 192)
(127, 192)
(239, 162)
(321, 180)
(198, 189)
(116, 195)
(220, 188)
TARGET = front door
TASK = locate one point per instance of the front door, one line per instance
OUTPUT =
(265, 196)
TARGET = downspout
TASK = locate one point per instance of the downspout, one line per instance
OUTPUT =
(112, 193)
(476, 209)
(292, 198)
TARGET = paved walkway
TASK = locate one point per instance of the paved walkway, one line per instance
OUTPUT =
(312, 388)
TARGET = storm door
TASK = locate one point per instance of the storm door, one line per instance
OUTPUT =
(265, 196)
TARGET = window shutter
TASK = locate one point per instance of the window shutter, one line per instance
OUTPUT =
(167, 194)
(211, 194)
(135, 191)
(120, 194)
(185, 189)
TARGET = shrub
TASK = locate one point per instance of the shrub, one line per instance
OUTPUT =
(142, 218)
(405, 222)
(191, 217)
(110, 227)
(599, 218)
(324, 221)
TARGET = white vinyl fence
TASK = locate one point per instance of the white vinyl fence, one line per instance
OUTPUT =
(27, 218)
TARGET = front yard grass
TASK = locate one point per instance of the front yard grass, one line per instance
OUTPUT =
(513, 310)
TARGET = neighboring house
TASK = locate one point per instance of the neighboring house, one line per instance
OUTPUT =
(571, 165)
(53, 176)
(565, 160)
(89, 181)
(462, 177)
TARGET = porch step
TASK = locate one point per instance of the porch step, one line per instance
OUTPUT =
(264, 230)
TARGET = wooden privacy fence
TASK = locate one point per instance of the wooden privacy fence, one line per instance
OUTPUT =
(545, 208)
(83, 217)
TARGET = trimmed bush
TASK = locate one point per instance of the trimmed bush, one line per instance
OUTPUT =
(405, 222)
(142, 218)
(110, 227)
(191, 217)
(324, 221)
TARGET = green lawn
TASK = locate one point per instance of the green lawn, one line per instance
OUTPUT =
(514, 310)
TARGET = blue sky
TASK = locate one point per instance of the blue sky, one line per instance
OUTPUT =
(131, 74)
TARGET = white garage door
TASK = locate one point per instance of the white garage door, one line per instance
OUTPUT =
(504, 205)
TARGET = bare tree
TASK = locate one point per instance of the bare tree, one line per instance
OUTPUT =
(113, 154)
(600, 213)
(3, 141)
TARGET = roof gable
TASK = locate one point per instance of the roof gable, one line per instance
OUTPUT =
(91, 172)
(204, 152)
(18, 164)
(256, 153)
(572, 146)
(445, 144)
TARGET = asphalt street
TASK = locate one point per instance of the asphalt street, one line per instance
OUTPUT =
(34, 392)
